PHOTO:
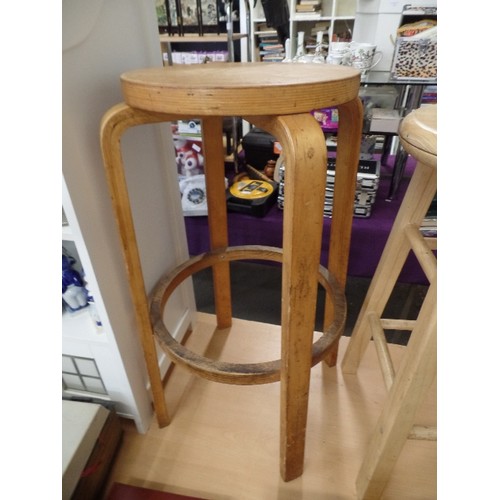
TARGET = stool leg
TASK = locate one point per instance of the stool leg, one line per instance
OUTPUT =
(414, 378)
(386, 148)
(213, 149)
(115, 122)
(397, 172)
(346, 168)
(415, 204)
(305, 186)
(304, 150)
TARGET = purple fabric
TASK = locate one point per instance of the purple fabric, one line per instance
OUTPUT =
(368, 239)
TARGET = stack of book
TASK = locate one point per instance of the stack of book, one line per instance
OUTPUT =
(308, 9)
(270, 48)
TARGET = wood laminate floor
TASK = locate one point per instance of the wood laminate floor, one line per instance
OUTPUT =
(223, 441)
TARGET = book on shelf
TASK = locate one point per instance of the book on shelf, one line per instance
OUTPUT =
(271, 48)
(269, 41)
(263, 27)
(272, 53)
(307, 8)
(274, 45)
(275, 57)
(266, 35)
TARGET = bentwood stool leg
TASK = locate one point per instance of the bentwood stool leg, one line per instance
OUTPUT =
(304, 152)
(305, 177)
(217, 214)
(116, 121)
(348, 150)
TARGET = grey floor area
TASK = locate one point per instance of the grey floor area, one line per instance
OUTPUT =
(256, 295)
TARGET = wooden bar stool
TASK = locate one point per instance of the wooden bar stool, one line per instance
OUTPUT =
(407, 387)
(277, 98)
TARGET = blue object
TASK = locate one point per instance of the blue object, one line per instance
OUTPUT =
(73, 290)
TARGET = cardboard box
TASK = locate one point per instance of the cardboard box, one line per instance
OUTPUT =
(328, 118)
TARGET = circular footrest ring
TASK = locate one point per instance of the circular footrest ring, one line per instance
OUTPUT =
(237, 373)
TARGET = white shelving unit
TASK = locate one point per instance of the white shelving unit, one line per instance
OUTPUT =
(229, 38)
(337, 15)
(111, 357)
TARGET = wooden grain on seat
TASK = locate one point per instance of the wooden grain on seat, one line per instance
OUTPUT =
(239, 89)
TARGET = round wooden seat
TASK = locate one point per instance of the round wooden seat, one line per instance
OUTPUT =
(418, 134)
(239, 89)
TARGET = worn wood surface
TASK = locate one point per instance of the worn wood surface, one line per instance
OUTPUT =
(223, 441)
(349, 134)
(114, 123)
(238, 373)
(279, 99)
(418, 134)
(213, 152)
(237, 89)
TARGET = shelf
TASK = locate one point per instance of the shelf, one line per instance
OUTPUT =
(67, 234)
(384, 78)
(344, 18)
(333, 14)
(80, 326)
(210, 38)
(310, 18)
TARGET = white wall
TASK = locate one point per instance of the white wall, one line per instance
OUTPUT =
(102, 39)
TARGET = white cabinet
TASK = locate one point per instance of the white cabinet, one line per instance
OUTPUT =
(336, 18)
(95, 53)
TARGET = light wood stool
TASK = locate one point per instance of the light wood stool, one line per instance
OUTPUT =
(277, 98)
(407, 387)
